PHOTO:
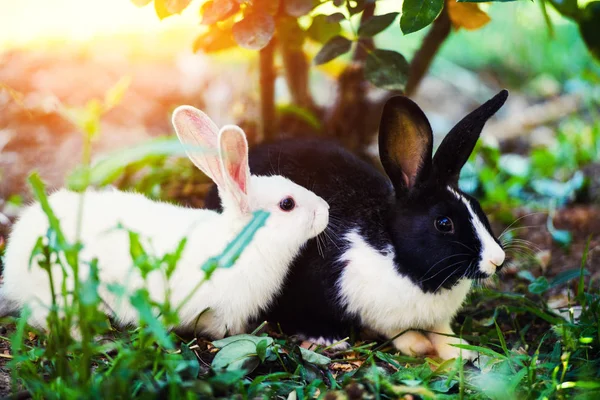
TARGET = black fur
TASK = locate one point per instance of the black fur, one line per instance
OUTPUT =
(395, 215)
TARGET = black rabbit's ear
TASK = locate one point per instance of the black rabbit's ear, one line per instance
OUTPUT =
(405, 143)
(455, 149)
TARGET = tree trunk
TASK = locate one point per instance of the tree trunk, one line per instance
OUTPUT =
(268, 118)
(419, 65)
(347, 119)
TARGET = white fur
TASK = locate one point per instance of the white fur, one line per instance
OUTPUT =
(233, 296)
(492, 255)
(389, 303)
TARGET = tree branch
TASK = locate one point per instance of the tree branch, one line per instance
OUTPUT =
(419, 65)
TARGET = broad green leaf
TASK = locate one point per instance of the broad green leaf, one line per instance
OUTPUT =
(322, 30)
(192, 361)
(216, 39)
(255, 339)
(334, 48)
(376, 24)
(386, 69)
(417, 14)
(255, 31)
(235, 356)
(218, 10)
(589, 26)
(297, 8)
(314, 358)
(539, 286)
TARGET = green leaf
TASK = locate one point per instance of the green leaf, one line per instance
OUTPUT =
(562, 237)
(589, 26)
(322, 30)
(142, 303)
(255, 339)
(386, 69)
(314, 358)
(297, 8)
(417, 14)
(566, 276)
(515, 165)
(376, 24)
(261, 349)
(189, 356)
(233, 250)
(110, 167)
(527, 275)
(218, 10)
(255, 31)
(334, 48)
(539, 286)
(235, 356)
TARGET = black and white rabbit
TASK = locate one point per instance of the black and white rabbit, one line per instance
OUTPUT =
(401, 251)
(233, 296)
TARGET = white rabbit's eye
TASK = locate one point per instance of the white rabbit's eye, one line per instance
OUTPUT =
(444, 225)
(287, 204)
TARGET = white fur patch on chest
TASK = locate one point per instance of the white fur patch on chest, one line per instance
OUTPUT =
(371, 288)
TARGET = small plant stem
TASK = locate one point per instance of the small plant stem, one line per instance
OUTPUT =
(419, 65)
(268, 122)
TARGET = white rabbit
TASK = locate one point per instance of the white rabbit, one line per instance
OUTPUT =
(233, 295)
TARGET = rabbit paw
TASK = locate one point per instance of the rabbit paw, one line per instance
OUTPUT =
(443, 345)
(413, 343)
(333, 344)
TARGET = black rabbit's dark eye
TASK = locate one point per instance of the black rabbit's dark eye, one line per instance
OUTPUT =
(444, 225)
(287, 204)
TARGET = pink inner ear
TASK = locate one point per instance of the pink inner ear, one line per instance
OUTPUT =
(240, 177)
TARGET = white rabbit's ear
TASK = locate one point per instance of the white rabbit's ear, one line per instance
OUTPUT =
(233, 151)
(199, 134)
